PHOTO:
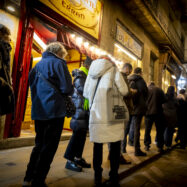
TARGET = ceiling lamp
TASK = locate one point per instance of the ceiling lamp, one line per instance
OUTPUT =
(72, 35)
(173, 76)
(79, 40)
(86, 44)
(12, 9)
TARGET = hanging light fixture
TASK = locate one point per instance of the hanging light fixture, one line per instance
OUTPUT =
(173, 76)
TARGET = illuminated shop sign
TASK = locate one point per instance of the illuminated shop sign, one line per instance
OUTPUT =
(129, 41)
(85, 14)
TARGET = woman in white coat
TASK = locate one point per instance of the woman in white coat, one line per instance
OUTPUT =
(105, 88)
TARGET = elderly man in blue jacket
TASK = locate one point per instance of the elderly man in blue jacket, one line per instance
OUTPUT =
(48, 110)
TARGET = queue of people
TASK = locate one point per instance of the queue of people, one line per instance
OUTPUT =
(109, 104)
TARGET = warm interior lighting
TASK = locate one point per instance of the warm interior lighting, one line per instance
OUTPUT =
(86, 44)
(166, 82)
(103, 53)
(73, 35)
(37, 58)
(79, 40)
(39, 41)
(126, 52)
(173, 76)
(92, 48)
(98, 51)
(12, 9)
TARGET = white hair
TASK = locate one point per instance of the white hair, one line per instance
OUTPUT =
(57, 48)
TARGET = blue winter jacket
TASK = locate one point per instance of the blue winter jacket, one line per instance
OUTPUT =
(47, 103)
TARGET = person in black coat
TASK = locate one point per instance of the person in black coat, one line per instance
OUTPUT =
(79, 122)
(137, 83)
(154, 114)
(6, 90)
(182, 120)
(170, 111)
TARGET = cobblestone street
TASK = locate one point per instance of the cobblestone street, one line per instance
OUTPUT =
(170, 170)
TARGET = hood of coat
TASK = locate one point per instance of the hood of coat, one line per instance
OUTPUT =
(134, 77)
(78, 73)
(99, 67)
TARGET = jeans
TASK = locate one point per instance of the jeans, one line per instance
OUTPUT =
(114, 153)
(76, 145)
(129, 129)
(149, 120)
(136, 122)
(48, 133)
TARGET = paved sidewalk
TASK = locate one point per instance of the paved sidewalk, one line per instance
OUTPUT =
(13, 164)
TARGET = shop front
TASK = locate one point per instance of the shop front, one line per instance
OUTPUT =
(127, 47)
(43, 22)
(171, 68)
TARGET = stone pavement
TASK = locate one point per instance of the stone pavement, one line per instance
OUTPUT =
(13, 164)
(169, 170)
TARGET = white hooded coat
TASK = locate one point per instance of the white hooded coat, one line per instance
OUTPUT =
(103, 127)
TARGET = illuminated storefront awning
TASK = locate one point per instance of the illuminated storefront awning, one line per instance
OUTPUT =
(172, 63)
(76, 42)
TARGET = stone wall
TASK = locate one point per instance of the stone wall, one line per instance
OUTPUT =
(113, 11)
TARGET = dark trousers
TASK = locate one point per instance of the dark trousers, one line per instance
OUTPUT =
(76, 145)
(136, 122)
(168, 136)
(47, 138)
(129, 130)
(114, 153)
(158, 120)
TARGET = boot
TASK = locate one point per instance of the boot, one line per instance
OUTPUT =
(98, 179)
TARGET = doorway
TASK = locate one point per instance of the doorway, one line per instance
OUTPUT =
(45, 33)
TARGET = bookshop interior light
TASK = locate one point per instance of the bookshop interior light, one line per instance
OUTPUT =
(39, 41)
(126, 52)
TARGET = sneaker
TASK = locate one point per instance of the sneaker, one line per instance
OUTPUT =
(26, 184)
(82, 162)
(73, 166)
(146, 148)
(140, 153)
(123, 161)
(109, 183)
(168, 148)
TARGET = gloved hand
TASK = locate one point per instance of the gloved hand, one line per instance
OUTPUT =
(86, 104)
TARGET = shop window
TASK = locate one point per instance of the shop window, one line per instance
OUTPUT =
(124, 56)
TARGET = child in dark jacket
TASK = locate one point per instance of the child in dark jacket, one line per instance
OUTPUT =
(79, 122)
